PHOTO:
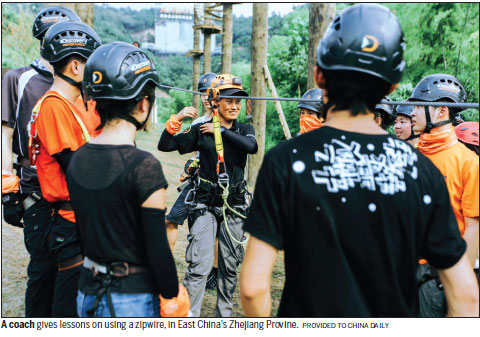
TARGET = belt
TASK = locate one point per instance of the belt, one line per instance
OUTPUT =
(70, 263)
(209, 187)
(64, 205)
(118, 269)
(25, 162)
(31, 200)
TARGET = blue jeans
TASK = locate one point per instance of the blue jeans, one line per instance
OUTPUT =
(125, 305)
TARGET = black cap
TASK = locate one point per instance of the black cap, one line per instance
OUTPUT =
(365, 38)
(233, 92)
(118, 71)
(67, 38)
(50, 16)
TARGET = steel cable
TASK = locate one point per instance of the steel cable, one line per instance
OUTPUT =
(447, 104)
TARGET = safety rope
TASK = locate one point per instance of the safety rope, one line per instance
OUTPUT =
(223, 178)
(447, 104)
(225, 193)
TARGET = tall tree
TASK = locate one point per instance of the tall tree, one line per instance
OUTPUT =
(257, 87)
(83, 9)
(227, 38)
(320, 15)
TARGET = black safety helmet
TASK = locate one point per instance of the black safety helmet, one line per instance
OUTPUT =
(118, 71)
(50, 16)
(367, 38)
(67, 38)
(386, 108)
(205, 81)
(314, 95)
(405, 110)
(438, 87)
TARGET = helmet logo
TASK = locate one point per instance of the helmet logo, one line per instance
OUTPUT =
(451, 88)
(73, 42)
(47, 19)
(369, 43)
(204, 80)
(140, 67)
(96, 77)
(308, 96)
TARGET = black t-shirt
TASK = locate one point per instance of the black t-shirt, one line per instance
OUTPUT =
(353, 213)
(235, 148)
(21, 89)
(107, 185)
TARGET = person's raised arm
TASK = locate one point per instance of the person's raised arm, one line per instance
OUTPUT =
(461, 289)
(183, 142)
(255, 278)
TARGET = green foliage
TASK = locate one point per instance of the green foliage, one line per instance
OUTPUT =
(120, 24)
(287, 62)
(19, 47)
(441, 38)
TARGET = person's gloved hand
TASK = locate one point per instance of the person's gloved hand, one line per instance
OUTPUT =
(12, 209)
(176, 307)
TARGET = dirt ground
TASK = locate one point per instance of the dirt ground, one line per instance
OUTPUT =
(15, 257)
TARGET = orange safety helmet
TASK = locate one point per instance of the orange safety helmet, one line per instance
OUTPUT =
(228, 85)
(468, 132)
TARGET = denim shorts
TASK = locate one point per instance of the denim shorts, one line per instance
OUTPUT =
(179, 212)
(125, 305)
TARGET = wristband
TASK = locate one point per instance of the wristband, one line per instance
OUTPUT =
(173, 125)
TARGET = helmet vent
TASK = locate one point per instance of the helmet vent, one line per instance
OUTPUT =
(475, 134)
(63, 34)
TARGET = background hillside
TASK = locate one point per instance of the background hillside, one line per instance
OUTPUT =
(441, 38)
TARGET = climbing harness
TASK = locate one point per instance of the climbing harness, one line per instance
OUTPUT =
(32, 132)
(213, 94)
(107, 273)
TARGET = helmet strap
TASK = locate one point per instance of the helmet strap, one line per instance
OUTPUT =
(69, 80)
(134, 121)
(412, 136)
(430, 126)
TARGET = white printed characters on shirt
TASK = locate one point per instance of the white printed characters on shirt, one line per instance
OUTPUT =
(346, 166)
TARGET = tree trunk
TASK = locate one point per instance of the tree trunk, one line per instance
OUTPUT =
(83, 10)
(196, 59)
(320, 15)
(207, 44)
(257, 85)
(227, 38)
